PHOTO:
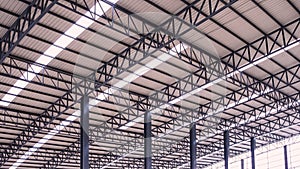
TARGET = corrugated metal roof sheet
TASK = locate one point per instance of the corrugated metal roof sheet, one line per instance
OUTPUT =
(14, 6)
(34, 44)
(137, 6)
(280, 10)
(7, 19)
(169, 5)
(226, 38)
(56, 23)
(260, 19)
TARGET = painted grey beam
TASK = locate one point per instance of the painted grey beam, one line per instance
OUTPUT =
(226, 149)
(25, 22)
(253, 146)
(193, 146)
(286, 162)
(147, 141)
(84, 132)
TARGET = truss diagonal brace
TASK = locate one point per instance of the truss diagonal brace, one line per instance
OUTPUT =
(20, 28)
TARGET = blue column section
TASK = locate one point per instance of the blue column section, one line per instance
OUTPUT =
(286, 163)
(242, 164)
(147, 141)
(226, 149)
(84, 133)
(253, 146)
(193, 146)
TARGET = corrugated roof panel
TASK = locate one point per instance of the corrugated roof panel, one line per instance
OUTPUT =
(45, 89)
(226, 38)
(94, 40)
(169, 5)
(285, 60)
(65, 66)
(290, 91)
(24, 108)
(2, 31)
(56, 23)
(271, 67)
(34, 44)
(244, 6)
(7, 80)
(226, 17)
(24, 53)
(73, 58)
(295, 51)
(281, 10)
(243, 29)
(7, 19)
(257, 72)
(108, 31)
(260, 19)
(207, 27)
(27, 101)
(7, 136)
(137, 6)
(296, 3)
(14, 6)
(40, 96)
(44, 33)
(85, 51)
(69, 14)
(4, 88)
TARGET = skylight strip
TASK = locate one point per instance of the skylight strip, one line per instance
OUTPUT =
(62, 42)
(57, 47)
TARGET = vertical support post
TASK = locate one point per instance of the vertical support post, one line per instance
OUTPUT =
(286, 163)
(147, 141)
(242, 164)
(84, 132)
(253, 146)
(193, 146)
(226, 149)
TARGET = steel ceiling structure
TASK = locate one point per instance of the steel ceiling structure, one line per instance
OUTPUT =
(203, 70)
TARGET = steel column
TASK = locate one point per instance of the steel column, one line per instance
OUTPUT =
(286, 163)
(226, 149)
(253, 146)
(84, 133)
(242, 164)
(147, 141)
(193, 145)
